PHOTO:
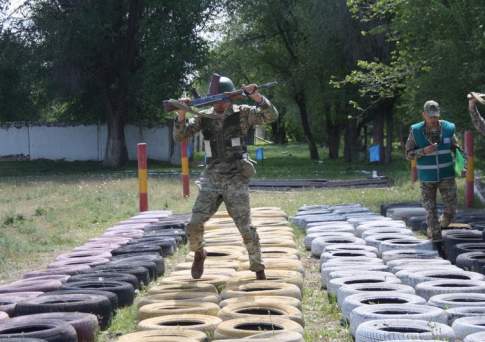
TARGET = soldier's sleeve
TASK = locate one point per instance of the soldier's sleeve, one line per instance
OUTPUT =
(412, 150)
(260, 114)
(477, 120)
(182, 130)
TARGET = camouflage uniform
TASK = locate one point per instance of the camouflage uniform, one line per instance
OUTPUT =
(447, 187)
(226, 177)
(477, 120)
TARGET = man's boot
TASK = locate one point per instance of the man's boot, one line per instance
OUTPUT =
(438, 246)
(198, 264)
(260, 275)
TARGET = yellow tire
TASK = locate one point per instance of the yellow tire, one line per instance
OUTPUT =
(204, 297)
(268, 309)
(177, 307)
(166, 335)
(203, 323)
(262, 300)
(283, 276)
(277, 264)
(177, 287)
(244, 327)
(262, 288)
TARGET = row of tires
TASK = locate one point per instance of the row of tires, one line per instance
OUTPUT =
(227, 303)
(391, 286)
(79, 292)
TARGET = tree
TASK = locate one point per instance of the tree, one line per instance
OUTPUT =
(115, 60)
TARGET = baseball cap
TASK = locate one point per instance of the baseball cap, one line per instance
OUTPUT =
(432, 108)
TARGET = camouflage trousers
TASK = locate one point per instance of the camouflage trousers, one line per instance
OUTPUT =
(447, 188)
(235, 195)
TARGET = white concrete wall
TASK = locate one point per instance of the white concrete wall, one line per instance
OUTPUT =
(79, 142)
(14, 141)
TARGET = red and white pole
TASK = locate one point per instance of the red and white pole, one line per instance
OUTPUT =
(141, 152)
(185, 169)
(470, 171)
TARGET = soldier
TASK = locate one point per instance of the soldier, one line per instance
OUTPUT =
(226, 176)
(431, 143)
(477, 119)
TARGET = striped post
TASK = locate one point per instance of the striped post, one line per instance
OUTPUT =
(414, 171)
(470, 173)
(141, 152)
(185, 169)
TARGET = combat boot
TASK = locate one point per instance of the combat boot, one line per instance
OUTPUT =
(198, 264)
(438, 246)
(260, 275)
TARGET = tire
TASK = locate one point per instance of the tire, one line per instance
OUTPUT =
(336, 283)
(155, 258)
(290, 277)
(83, 254)
(149, 265)
(307, 241)
(70, 270)
(432, 288)
(349, 260)
(395, 311)
(373, 298)
(402, 329)
(470, 247)
(90, 261)
(389, 256)
(411, 271)
(106, 276)
(423, 266)
(326, 270)
(400, 264)
(451, 239)
(253, 310)
(218, 281)
(277, 264)
(342, 254)
(348, 290)
(262, 300)
(175, 307)
(463, 311)
(48, 329)
(99, 306)
(476, 337)
(164, 335)
(350, 247)
(204, 297)
(262, 288)
(468, 325)
(85, 324)
(203, 323)
(408, 243)
(244, 327)
(141, 273)
(3, 315)
(124, 291)
(285, 336)
(416, 278)
(376, 240)
(462, 299)
(133, 249)
(227, 272)
(31, 286)
(319, 244)
(185, 287)
(344, 227)
(386, 230)
(471, 261)
(9, 300)
(113, 299)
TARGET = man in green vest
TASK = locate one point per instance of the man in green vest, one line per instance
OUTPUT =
(431, 143)
(226, 176)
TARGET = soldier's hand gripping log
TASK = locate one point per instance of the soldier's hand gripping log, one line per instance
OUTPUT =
(191, 105)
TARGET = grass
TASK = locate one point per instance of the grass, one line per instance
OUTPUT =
(48, 207)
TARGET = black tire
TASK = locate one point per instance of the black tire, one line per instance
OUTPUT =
(402, 329)
(99, 306)
(48, 330)
(105, 276)
(167, 245)
(471, 261)
(142, 273)
(113, 298)
(34, 286)
(155, 258)
(468, 325)
(463, 311)
(136, 248)
(124, 291)
(61, 270)
(9, 300)
(85, 324)
(150, 265)
(451, 239)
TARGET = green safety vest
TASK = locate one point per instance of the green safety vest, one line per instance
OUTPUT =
(438, 165)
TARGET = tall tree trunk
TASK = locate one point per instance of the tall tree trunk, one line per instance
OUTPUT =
(378, 131)
(118, 90)
(300, 101)
(334, 131)
(278, 135)
(389, 135)
(352, 144)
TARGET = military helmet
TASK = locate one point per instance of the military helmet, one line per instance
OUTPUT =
(226, 85)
